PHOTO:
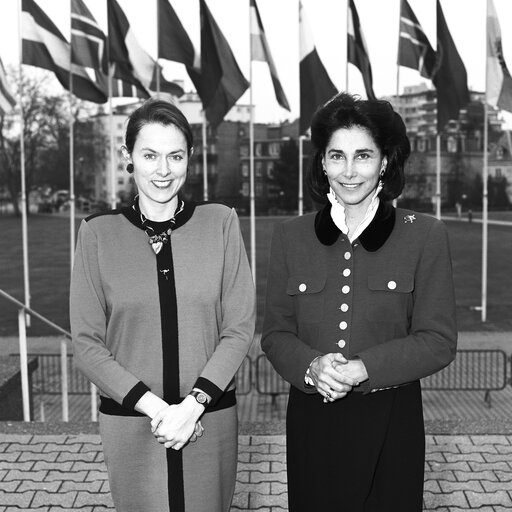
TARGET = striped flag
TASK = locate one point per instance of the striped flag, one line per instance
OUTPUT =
(174, 43)
(222, 82)
(88, 48)
(261, 52)
(357, 53)
(315, 85)
(88, 42)
(414, 49)
(45, 47)
(499, 82)
(7, 100)
(450, 79)
(132, 63)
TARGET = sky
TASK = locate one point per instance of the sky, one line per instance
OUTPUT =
(327, 18)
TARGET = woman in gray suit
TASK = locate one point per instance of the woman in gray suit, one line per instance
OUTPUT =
(360, 306)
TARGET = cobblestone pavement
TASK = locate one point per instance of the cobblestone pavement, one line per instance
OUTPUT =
(49, 472)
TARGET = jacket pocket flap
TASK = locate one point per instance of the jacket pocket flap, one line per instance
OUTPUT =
(401, 283)
(300, 285)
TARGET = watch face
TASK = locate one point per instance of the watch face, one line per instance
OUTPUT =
(201, 398)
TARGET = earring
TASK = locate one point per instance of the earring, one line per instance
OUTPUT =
(129, 168)
(382, 172)
(325, 171)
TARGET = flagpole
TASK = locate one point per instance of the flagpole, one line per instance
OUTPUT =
(251, 163)
(71, 169)
(485, 173)
(113, 200)
(398, 109)
(157, 51)
(484, 216)
(346, 42)
(301, 174)
(24, 224)
(205, 159)
(438, 176)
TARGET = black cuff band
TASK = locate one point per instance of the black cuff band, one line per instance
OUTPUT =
(209, 388)
(134, 395)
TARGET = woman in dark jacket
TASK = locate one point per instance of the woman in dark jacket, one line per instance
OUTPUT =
(360, 306)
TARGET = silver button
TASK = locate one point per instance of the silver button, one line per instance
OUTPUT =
(344, 308)
(347, 255)
(341, 343)
(343, 325)
(346, 272)
(392, 285)
(302, 287)
(345, 289)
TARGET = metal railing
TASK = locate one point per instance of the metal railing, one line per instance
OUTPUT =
(23, 311)
(472, 370)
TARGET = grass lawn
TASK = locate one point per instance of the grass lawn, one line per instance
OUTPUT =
(49, 271)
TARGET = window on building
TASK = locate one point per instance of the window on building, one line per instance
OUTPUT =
(259, 189)
(245, 189)
(273, 149)
(245, 170)
(498, 172)
(120, 181)
(119, 140)
(451, 145)
(257, 149)
(258, 169)
(270, 170)
(499, 153)
(244, 150)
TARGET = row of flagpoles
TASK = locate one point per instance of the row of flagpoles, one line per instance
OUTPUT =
(97, 67)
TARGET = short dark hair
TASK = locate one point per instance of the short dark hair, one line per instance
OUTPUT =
(383, 124)
(160, 112)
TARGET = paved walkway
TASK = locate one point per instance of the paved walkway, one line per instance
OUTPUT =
(59, 467)
(50, 467)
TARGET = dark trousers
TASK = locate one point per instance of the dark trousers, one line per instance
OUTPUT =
(363, 453)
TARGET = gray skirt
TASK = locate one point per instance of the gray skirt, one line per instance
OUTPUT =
(138, 470)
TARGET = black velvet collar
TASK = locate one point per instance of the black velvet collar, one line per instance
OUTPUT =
(372, 238)
(181, 218)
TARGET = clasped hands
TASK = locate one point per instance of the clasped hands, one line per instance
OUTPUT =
(176, 425)
(334, 376)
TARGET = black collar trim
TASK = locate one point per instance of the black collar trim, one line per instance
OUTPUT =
(372, 238)
(182, 218)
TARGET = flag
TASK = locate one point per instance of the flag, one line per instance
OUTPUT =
(7, 100)
(132, 63)
(357, 53)
(414, 49)
(498, 89)
(88, 42)
(315, 85)
(174, 43)
(261, 52)
(222, 82)
(450, 79)
(88, 48)
(45, 47)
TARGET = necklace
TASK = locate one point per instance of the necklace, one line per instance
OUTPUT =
(157, 240)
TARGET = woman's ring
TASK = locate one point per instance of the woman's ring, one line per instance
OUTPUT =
(328, 394)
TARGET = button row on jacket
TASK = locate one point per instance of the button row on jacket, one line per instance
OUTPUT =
(302, 287)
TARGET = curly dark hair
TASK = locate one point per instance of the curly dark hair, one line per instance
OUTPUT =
(382, 123)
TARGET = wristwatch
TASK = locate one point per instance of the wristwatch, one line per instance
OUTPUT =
(200, 397)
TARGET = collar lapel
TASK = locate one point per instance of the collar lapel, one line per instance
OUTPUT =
(372, 238)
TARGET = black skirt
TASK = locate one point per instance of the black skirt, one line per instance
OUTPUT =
(363, 453)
